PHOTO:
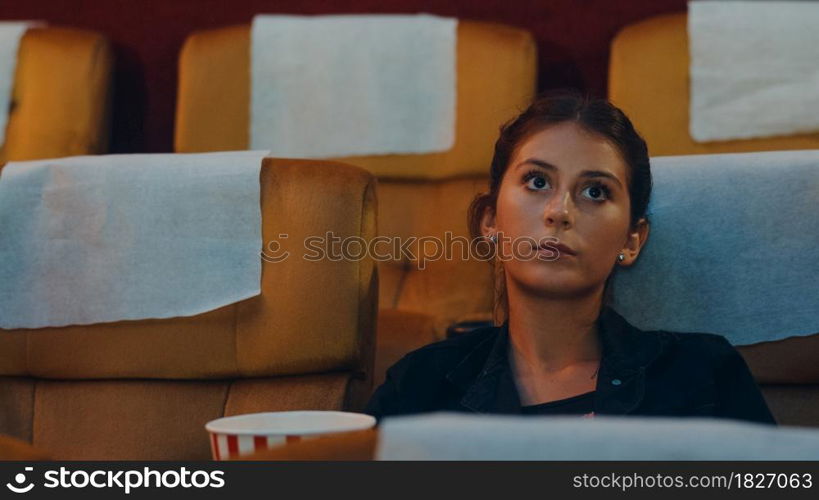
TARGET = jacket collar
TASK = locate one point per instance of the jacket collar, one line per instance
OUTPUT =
(486, 378)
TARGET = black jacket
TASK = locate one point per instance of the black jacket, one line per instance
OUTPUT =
(641, 373)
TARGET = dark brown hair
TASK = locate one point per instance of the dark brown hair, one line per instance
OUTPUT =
(595, 115)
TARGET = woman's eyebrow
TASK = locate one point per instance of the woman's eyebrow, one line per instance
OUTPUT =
(601, 173)
(537, 162)
(586, 173)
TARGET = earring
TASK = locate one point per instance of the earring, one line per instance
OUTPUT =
(493, 238)
(621, 258)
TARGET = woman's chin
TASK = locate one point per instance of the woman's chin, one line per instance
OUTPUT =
(555, 284)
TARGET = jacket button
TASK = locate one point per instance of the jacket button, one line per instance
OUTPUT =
(616, 381)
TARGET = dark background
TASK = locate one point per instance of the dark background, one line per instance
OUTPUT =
(573, 39)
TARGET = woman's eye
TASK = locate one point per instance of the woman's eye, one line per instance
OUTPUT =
(597, 192)
(536, 182)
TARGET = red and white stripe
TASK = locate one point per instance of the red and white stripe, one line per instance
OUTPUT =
(230, 446)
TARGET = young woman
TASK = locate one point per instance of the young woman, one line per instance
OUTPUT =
(569, 185)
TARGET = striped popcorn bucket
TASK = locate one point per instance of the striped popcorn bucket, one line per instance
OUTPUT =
(233, 437)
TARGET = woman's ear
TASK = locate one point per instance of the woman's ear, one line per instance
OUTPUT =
(637, 237)
(488, 227)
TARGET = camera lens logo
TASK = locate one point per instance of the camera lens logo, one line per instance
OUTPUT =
(20, 479)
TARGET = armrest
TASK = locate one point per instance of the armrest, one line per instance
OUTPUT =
(14, 449)
(468, 325)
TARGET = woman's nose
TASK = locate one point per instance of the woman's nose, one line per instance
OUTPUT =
(559, 211)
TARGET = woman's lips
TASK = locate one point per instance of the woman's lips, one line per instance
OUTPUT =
(562, 248)
(554, 251)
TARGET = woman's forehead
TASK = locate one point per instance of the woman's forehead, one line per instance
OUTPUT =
(571, 149)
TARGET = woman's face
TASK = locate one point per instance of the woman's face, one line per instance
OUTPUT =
(564, 186)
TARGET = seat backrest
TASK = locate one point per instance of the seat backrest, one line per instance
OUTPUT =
(648, 79)
(144, 389)
(421, 194)
(495, 78)
(61, 96)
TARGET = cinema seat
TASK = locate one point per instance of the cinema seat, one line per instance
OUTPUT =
(60, 102)
(648, 79)
(420, 195)
(143, 390)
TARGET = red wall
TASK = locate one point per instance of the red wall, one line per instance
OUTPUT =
(573, 37)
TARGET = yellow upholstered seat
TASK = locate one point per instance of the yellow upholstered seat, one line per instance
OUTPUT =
(648, 79)
(61, 95)
(145, 389)
(420, 195)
